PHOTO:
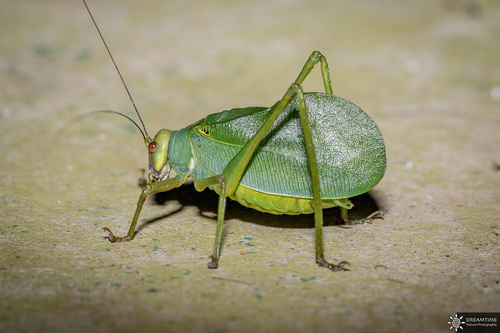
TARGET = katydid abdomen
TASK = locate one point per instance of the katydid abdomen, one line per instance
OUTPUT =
(350, 154)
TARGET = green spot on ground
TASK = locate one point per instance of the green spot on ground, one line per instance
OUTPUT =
(307, 280)
(83, 55)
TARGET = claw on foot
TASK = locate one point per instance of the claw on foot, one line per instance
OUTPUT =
(214, 264)
(113, 239)
(367, 220)
(334, 268)
(376, 215)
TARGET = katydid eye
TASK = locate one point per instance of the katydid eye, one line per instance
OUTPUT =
(152, 147)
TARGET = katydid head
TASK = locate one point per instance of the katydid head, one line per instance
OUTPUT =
(159, 166)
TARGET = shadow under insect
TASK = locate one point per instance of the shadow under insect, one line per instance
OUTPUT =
(207, 201)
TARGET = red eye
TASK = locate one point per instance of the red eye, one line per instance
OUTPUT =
(152, 147)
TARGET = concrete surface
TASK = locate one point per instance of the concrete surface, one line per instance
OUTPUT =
(426, 71)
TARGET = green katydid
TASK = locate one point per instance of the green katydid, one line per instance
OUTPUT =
(307, 152)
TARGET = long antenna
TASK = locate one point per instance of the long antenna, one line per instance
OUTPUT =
(91, 113)
(120, 74)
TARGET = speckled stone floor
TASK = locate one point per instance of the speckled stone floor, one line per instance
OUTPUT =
(426, 71)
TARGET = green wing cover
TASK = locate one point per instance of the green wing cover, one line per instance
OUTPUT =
(348, 144)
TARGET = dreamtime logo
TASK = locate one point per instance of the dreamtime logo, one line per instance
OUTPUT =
(471, 322)
(456, 322)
